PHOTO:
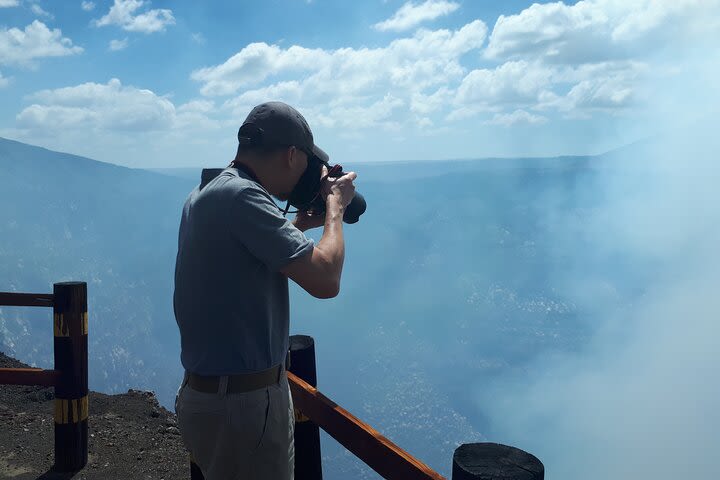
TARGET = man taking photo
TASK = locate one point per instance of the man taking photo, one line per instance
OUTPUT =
(236, 252)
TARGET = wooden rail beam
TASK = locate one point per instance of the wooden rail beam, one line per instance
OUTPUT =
(366, 443)
(29, 376)
(11, 299)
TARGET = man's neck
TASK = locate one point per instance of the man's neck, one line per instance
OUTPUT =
(248, 169)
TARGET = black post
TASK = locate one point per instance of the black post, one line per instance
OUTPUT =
(308, 463)
(195, 472)
(488, 461)
(70, 321)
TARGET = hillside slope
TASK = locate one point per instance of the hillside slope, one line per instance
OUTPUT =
(65, 217)
(130, 435)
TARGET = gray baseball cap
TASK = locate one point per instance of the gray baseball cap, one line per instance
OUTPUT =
(278, 124)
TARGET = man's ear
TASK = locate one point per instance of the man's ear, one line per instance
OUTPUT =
(290, 157)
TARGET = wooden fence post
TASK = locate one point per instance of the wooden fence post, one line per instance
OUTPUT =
(308, 462)
(70, 325)
(487, 461)
(195, 472)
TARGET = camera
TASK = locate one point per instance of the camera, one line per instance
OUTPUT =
(306, 195)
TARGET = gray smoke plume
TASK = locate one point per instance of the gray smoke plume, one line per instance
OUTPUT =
(640, 399)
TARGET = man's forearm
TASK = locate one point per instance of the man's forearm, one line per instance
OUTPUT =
(332, 243)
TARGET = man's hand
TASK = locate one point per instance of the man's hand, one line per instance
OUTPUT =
(305, 221)
(341, 188)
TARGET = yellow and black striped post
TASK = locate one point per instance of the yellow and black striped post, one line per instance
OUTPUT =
(308, 462)
(71, 392)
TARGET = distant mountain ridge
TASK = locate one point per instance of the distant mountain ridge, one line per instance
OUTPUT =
(412, 170)
(372, 171)
(15, 150)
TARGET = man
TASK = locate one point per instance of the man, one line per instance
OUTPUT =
(235, 253)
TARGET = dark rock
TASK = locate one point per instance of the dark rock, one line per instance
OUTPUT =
(122, 438)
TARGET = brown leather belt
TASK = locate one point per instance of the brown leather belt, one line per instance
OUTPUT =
(245, 382)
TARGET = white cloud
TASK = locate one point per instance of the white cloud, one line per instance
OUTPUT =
(597, 94)
(117, 45)
(424, 104)
(110, 109)
(123, 14)
(291, 92)
(378, 80)
(253, 64)
(38, 10)
(122, 124)
(387, 85)
(3, 81)
(610, 87)
(201, 106)
(425, 59)
(426, 75)
(357, 116)
(197, 116)
(511, 83)
(411, 15)
(21, 47)
(575, 90)
(599, 30)
(87, 6)
(94, 107)
(9, 3)
(198, 38)
(518, 116)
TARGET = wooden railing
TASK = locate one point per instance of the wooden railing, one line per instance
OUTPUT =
(358, 437)
(313, 411)
(70, 376)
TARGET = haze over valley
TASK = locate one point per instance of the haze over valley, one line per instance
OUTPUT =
(468, 286)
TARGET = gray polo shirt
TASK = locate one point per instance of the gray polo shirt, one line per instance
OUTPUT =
(231, 303)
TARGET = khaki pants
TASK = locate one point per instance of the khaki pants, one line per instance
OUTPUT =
(234, 436)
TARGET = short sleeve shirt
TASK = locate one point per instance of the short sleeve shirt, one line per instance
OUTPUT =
(231, 302)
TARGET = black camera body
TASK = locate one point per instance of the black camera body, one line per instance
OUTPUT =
(306, 195)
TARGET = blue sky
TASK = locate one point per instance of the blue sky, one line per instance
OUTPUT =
(160, 83)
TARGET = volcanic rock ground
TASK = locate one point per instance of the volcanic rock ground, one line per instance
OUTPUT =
(130, 435)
